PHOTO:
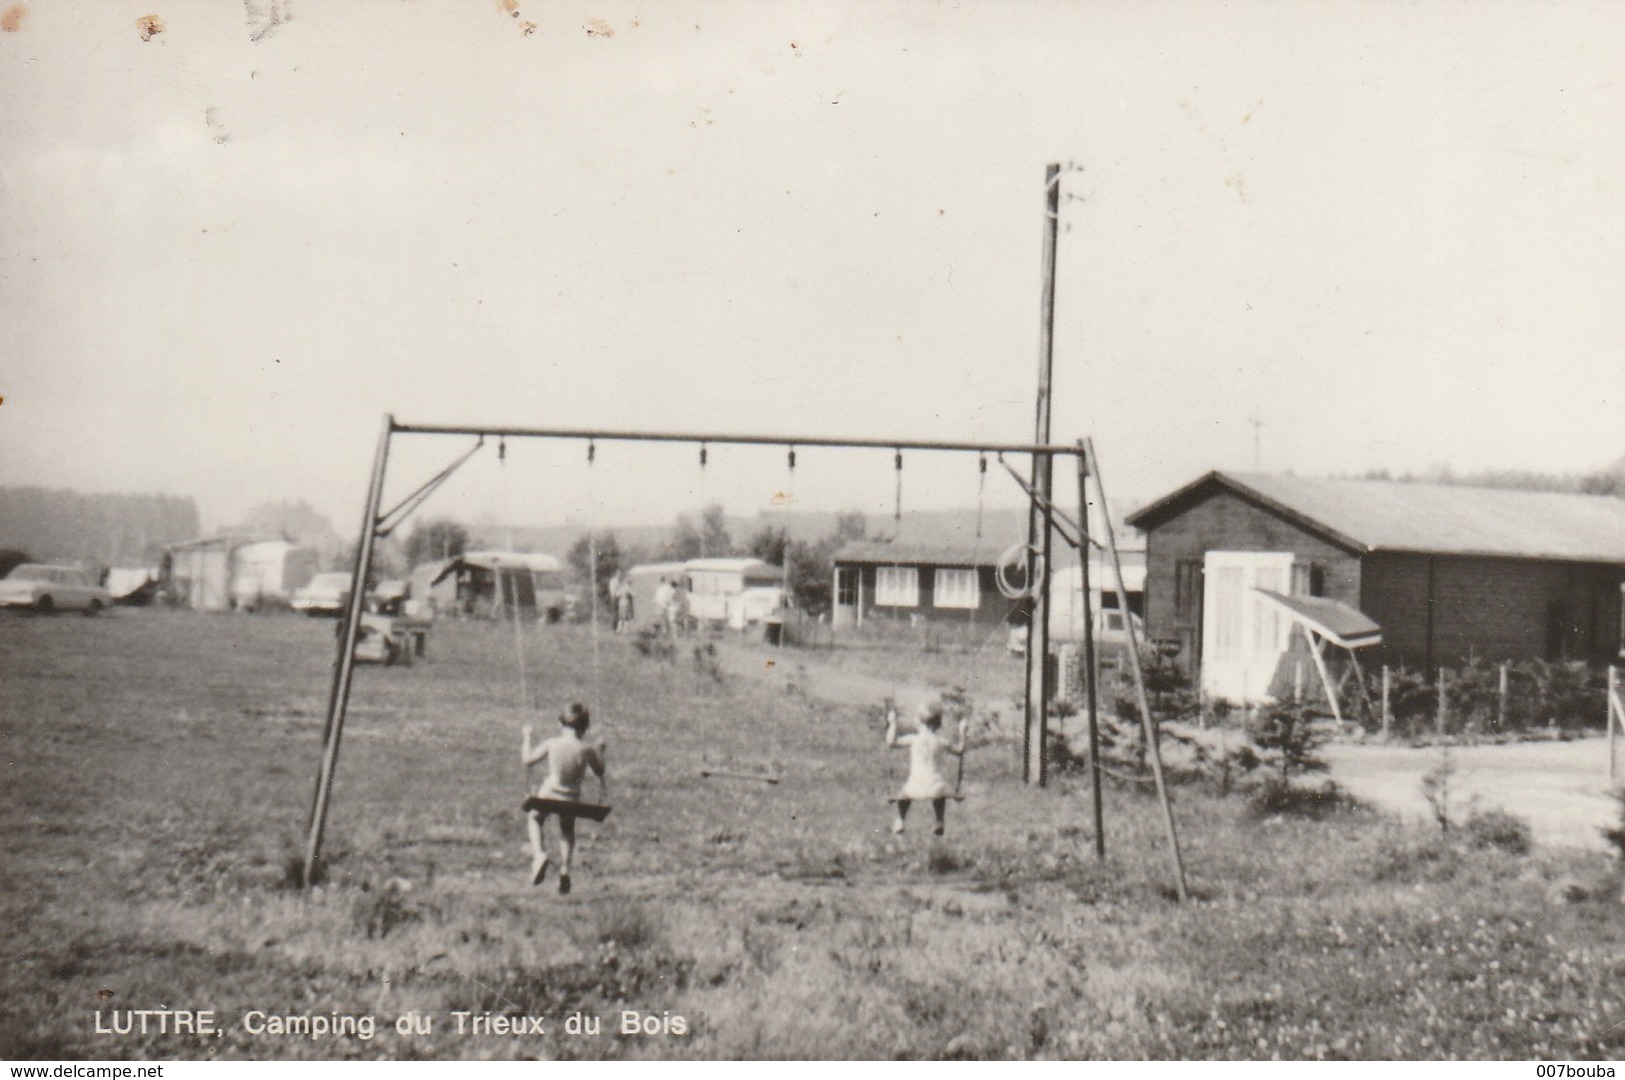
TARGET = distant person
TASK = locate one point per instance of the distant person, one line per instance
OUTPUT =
(678, 616)
(927, 755)
(663, 596)
(569, 758)
(621, 592)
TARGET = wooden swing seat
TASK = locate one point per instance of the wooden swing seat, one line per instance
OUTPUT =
(956, 797)
(590, 811)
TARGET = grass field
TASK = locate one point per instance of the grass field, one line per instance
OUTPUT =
(160, 767)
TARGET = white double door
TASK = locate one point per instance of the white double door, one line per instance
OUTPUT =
(1244, 636)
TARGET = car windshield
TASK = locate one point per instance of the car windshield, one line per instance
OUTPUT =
(330, 581)
(32, 572)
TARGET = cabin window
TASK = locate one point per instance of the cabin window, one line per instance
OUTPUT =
(897, 586)
(956, 589)
(1188, 592)
(1308, 579)
(846, 586)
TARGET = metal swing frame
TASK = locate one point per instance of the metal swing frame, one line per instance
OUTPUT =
(376, 525)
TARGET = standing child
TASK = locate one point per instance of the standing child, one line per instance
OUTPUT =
(927, 755)
(568, 759)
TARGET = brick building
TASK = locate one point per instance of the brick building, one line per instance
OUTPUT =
(1447, 572)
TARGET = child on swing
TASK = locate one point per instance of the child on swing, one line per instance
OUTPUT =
(927, 754)
(568, 759)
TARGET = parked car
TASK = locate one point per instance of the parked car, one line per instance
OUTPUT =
(1111, 635)
(36, 587)
(327, 594)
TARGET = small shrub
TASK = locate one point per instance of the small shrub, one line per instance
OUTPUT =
(706, 662)
(1498, 829)
(1288, 736)
(652, 643)
(1280, 798)
(379, 912)
(1615, 835)
(1436, 789)
(626, 926)
(1403, 858)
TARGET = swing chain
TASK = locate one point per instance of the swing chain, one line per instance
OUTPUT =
(897, 510)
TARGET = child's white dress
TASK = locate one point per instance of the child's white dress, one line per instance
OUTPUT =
(928, 755)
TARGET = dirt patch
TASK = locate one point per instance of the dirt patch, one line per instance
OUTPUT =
(1560, 788)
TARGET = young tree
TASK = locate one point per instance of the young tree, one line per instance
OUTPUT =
(433, 540)
(1286, 732)
(294, 521)
(714, 531)
(685, 542)
(767, 544)
(609, 560)
(849, 526)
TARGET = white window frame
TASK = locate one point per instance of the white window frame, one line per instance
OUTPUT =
(897, 586)
(956, 588)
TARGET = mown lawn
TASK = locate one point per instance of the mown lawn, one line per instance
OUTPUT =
(160, 767)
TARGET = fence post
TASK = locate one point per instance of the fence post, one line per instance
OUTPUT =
(1501, 703)
(1442, 709)
(1614, 707)
(1387, 713)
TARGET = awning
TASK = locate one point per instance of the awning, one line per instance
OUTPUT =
(1331, 619)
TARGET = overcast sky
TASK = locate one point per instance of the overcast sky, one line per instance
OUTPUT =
(1389, 232)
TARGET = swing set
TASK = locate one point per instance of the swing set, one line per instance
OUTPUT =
(1039, 689)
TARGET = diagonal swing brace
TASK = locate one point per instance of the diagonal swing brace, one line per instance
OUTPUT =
(404, 508)
(1063, 521)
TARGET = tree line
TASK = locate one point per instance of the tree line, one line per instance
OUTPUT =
(61, 526)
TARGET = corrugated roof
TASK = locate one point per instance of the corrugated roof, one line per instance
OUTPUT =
(1441, 519)
(903, 553)
(1331, 619)
(528, 560)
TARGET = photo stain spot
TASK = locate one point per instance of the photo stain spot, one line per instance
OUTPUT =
(770, 665)
(104, 994)
(12, 20)
(149, 26)
(598, 28)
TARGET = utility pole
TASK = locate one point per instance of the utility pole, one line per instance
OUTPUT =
(1035, 731)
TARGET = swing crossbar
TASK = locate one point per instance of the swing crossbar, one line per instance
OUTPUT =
(565, 807)
(1041, 449)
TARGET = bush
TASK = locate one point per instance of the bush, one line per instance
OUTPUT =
(1436, 789)
(1540, 694)
(625, 925)
(1500, 830)
(1279, 798)
(1288, 736)
(1404, 858)
(652, 643)
(1616, 834)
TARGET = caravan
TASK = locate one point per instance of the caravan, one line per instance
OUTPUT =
(1112, 624)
